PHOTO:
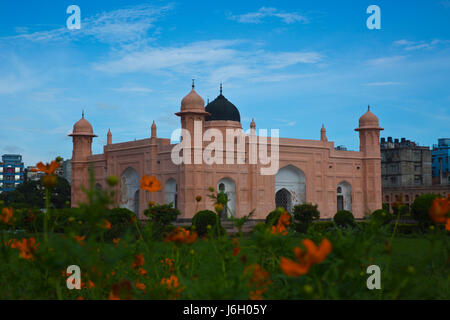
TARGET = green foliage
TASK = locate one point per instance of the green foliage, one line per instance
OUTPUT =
(239, 222)
(344, 218)
(421, 207)
(304, 215)
(161, 216)
(400, 209)
(202, 220)
(272, 217)
(382, 216)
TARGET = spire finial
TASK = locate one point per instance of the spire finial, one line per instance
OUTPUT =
(368, 108)
(193, 84)
(82, 113)
(221, 88)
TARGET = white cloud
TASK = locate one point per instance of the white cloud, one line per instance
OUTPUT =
(385, 60)
(265, 12)
(119, 26)
(417, 45)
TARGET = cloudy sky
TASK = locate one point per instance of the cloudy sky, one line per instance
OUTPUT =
(290, 65)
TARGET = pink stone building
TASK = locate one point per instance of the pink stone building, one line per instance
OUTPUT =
(309, 170)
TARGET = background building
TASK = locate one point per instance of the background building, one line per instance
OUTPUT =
(11, 172)
(67, 170)
(406, 172)
(440, 161)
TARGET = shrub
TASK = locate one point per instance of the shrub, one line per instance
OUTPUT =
(272, 217)
(304, 215)
(202, 219)
(322, 226)
(420, 208)
(382, 216)
(121, 222)
(344, 218)
(161, 216)
(401, 209)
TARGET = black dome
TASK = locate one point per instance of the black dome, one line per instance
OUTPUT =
(222, 109)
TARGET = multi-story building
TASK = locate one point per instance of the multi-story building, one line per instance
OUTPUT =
(67, 170)
(11, 172)
(406, 172)
(31, 175)
(440, 156)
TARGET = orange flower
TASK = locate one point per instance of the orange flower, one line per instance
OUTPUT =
(447, 225)
(173, 285)
(48, 168)
(142, 271)
(80, 298)
(80, 239)
(121, 290)
(107, 225)
(236, 247)
(116, 241)
(180, 235)
(6, 215)
(283, 221)
(27, 247)
(151, 184)
(140, 286)
(259, 281)
(139, 261)
(306, 259)
(439, 210)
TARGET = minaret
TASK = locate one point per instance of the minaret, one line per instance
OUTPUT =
(82, 149)
(323, 134)
(369, 146)
(109, 137)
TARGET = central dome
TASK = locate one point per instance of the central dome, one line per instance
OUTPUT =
(222, 109)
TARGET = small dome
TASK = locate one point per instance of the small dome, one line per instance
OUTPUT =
(368, 120)
(192, 102)
(83, 127)
(222, 109)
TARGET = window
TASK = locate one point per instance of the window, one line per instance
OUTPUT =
(393, 180)
(417, 179)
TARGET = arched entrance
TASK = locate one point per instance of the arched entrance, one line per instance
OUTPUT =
(171, 192)
(228, 186)
(283, 199)
(292, 180)
(129, 190)
(344, 196)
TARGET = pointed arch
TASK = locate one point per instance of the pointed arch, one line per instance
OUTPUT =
(344, 196)
(129, 190)
(293, 180)
(171, 192)
(228, 186)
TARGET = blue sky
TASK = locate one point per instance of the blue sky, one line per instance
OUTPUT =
(291, 65)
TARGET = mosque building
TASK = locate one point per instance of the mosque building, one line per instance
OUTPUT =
(308, 171)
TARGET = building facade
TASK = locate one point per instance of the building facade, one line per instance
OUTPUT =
(11, 172)
(309, 170)
(440, 156)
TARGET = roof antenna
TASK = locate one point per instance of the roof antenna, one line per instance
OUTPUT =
(221, 88)
(193, 84)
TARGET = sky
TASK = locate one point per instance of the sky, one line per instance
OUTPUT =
(290, 65)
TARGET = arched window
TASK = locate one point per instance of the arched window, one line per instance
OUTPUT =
(129, 190)
(292, 179)
(171, 192)
(344, 197)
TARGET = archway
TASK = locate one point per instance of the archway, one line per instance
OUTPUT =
(292, 180)
(283, 199)
(129, 190)
(344, 196)
(171, 192)
(228, 186)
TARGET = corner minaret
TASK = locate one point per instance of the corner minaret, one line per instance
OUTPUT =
(369, 146)
(109, 137)
(82, 149)
(323, 133)
(153, 129)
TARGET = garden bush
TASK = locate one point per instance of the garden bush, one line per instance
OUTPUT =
(304, 215)
(382, 216)
(421, 207)
(202, 219)
(161, 217)
(272, 217)
(344, 218)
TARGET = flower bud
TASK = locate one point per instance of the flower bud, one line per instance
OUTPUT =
(49, 181)
(112, 181)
